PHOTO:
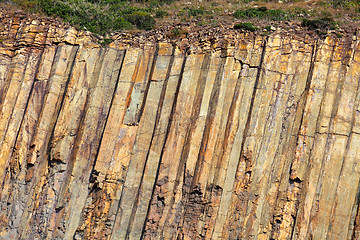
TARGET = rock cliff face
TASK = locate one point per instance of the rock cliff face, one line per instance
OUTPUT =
(257, 138)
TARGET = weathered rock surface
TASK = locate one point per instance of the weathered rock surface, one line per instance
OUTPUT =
(253, 138)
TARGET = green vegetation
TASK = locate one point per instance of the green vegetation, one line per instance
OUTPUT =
(246, 26)
(264, 13)
(105, 16)
(344, 3)
(192, 11)
(161, 14)
(338, 35)
(142, 20)
(87, 15)
(176, 32)
(97, 16)
(320, 23)
(105, 41)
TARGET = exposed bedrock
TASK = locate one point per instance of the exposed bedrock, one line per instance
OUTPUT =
(253, 138)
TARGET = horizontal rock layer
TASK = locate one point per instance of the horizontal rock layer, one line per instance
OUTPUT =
(257, 138)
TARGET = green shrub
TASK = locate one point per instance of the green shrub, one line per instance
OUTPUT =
(298, 11)
(250, 13)
(346, 4)
(339, 3)
(175, 32)
(320, 23)
(339, 35)
(264, 13)
(161, 14)
(279, 15)
(326, 14)
(156, 3)
(120, 23)
(142, 20)
(106, 41)
(194, 11)
(99, 16)
(245, 26)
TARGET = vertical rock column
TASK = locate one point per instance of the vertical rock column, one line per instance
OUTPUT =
(15, 185)
(161, 221)
(330, 148)
(106, 180)
(137, 188)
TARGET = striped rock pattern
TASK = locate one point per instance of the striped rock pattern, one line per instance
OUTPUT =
(254, 139)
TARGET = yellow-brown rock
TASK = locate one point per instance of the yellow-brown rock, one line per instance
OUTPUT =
(247, 138)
